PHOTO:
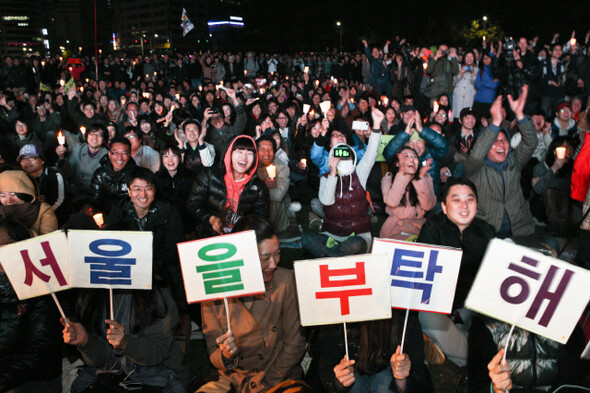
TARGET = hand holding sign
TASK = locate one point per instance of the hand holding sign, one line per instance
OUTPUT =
(116, 334)
(500, 373)
(400, 365)
(344, 372)
(75, 333)
(227, 345)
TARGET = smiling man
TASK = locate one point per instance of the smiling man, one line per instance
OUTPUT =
(456, 227)
(109, 182)
(496, 171)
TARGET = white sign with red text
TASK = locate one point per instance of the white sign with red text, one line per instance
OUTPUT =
(344, 289)
(37, 266)
(422, 277)
(530, 290)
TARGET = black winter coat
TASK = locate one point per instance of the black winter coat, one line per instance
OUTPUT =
(208, 197)
(30, 338)
(473, 241)
(108, 187)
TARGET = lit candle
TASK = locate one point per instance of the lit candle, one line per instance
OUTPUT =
(145, 94)
(271, 170)
(385, 100)
(245, 72)
(425, 66)
(123, 101)
(98, 219)
(177, 96)
(82, 89)
(335, 81)
(61, 139)
(306, 69)
(155, 73)
(317, 83)
(312, 114)
(87, 80)
(62, 82)
(435, 106)
(83, 130)
(172, 107)
(43, 63)
(573, 42)
(560, 152)
(304, 162)
(262, 90)
(200, 88)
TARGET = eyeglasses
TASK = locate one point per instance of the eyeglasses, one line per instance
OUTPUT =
(148, 189)
(29, 158)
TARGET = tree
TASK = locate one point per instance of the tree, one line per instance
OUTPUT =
(474, 34)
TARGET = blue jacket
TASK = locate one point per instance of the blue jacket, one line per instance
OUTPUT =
(486, 86)
(379, 73)
(436, 148)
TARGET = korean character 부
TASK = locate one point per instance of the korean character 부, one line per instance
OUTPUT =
(327, 281)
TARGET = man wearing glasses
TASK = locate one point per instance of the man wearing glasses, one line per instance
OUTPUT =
(109, 182)
(49, 182)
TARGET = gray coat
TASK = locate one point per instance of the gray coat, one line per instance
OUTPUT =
(495, 195)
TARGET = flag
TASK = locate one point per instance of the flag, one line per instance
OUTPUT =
(185, 23)
(44, 87)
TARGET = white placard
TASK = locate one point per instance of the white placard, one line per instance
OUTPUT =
(221, 266)
(110, 259)
(346, 289)
(37, 266)
(325, 106)
(423, 277)
(530, 290)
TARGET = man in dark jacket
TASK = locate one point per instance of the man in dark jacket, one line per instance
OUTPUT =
(142, 211)
(109, 182)
(456, 227)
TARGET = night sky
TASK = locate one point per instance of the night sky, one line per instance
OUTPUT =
(306, 24)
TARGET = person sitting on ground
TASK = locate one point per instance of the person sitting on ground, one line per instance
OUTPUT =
(18, 199)
(408, 194)
(377, 363)
(495, 169)
(50, 184)
(346, 229)
(278, 184)
(224, 193)
(144, 156)
(457, 226)
(265, 344)
(427, 143)
(30, 348)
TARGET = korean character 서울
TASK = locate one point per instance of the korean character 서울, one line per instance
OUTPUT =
(408, 270)
(326, 281)
(544, 293)
(224, 275)
(109, 267)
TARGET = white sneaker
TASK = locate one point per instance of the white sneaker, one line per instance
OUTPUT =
(294, 207)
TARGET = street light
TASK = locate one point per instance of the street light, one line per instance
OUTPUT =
(340, 26)
(485, 22)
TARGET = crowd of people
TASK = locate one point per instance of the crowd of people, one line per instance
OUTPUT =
(450, 146)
